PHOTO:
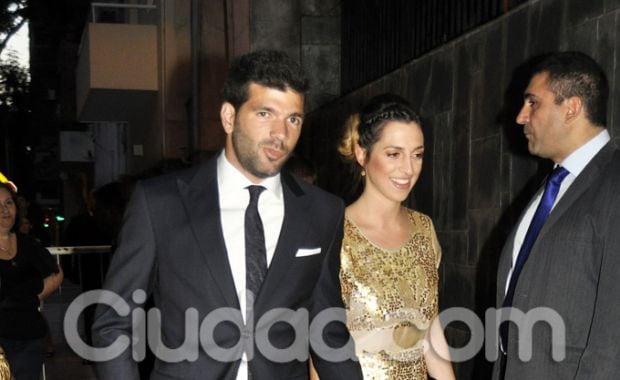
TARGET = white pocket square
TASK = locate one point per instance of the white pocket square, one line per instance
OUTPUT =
(301, 252)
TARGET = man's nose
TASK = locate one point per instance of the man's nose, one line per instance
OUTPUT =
(279, 129)
(523, 116)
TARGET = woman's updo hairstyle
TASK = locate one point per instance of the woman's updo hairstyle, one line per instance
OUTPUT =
(366, 127)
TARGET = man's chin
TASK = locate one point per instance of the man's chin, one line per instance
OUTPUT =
(267, 171)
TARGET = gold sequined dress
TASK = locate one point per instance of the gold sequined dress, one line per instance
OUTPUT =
(391, 299)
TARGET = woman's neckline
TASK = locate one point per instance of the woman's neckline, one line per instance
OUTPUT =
(7, 253)
(404, 244)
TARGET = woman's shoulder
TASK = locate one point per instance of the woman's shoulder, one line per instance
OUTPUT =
(417, 214)
(420, 219)
(27, 239)
(27, 242)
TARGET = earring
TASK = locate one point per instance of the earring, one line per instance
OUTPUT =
(363, 173)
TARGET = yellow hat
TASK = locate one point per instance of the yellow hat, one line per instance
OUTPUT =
(3, 179)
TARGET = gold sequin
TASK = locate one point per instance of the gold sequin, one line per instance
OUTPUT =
(391, 299)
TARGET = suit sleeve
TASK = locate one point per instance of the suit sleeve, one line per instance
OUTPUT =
(327, 295)
(600, 357)
(133, 267)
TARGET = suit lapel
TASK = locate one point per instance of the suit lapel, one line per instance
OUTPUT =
(293, 226)
(579, 186)
(200, 197)
(589, 174)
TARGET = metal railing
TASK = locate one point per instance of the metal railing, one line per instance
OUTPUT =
(79, 250)
(379, 36)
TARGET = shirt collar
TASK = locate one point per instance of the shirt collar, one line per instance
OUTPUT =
(577, 161)
(231, 179)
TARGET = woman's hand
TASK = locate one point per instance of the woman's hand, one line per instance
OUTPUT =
(51, 283)
(437, 354)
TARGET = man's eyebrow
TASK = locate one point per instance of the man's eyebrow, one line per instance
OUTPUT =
(528, 95)
(265, 108)
(297, 114)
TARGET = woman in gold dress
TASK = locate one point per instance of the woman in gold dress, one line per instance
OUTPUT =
(390, 253)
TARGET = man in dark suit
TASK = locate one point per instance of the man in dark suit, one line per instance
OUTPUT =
(195, 243)
(561, 263)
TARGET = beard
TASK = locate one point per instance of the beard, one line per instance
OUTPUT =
(248, 153)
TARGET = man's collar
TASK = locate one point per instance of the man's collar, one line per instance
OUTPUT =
(577, 161)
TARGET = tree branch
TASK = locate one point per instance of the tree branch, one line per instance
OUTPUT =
(10, 33)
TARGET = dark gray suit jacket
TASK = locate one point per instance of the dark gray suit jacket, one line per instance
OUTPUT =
(171, 245)
(574, 269)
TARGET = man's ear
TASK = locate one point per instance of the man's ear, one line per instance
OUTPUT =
(360, 154)
(227, 116)
(574, 108)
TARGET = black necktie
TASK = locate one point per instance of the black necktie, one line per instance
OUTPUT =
(540, 216)
(255, 251)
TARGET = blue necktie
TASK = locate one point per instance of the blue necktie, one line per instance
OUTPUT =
(540, 216)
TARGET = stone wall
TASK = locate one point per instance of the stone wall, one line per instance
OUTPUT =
(308, 30)
(477, 174)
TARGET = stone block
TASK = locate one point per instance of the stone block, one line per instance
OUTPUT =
(316, 99)
(579, 11)
(462, 91)
(484, 237)
(485, 181)
(320, 30)
(606, 54)
(321, 7)
(488, 87)
(450, 171)
(611, 5)
(516, 40)
(471, 51)
(614, 99)
(583, 37)
(394, 83)
(275, 11)
(265, 34)
(546, 26)
(322, 65)
(415, 75)
(522, 171)
(525, 178)
(438, 91)
(461, 157)
(505, 196)
(443, 135)
(424, 189)
(454, 245)
(458, 285)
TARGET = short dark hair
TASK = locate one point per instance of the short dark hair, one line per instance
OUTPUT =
(268, 68)
(574, 73)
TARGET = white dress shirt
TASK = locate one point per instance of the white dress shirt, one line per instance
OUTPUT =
(234, 198)
(574, 163)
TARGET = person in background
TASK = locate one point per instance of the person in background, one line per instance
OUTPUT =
(28, 274)
(301, 167)
(25, 226)
(563, 255)
(390, 254)
(97, 224)
(5, 368)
